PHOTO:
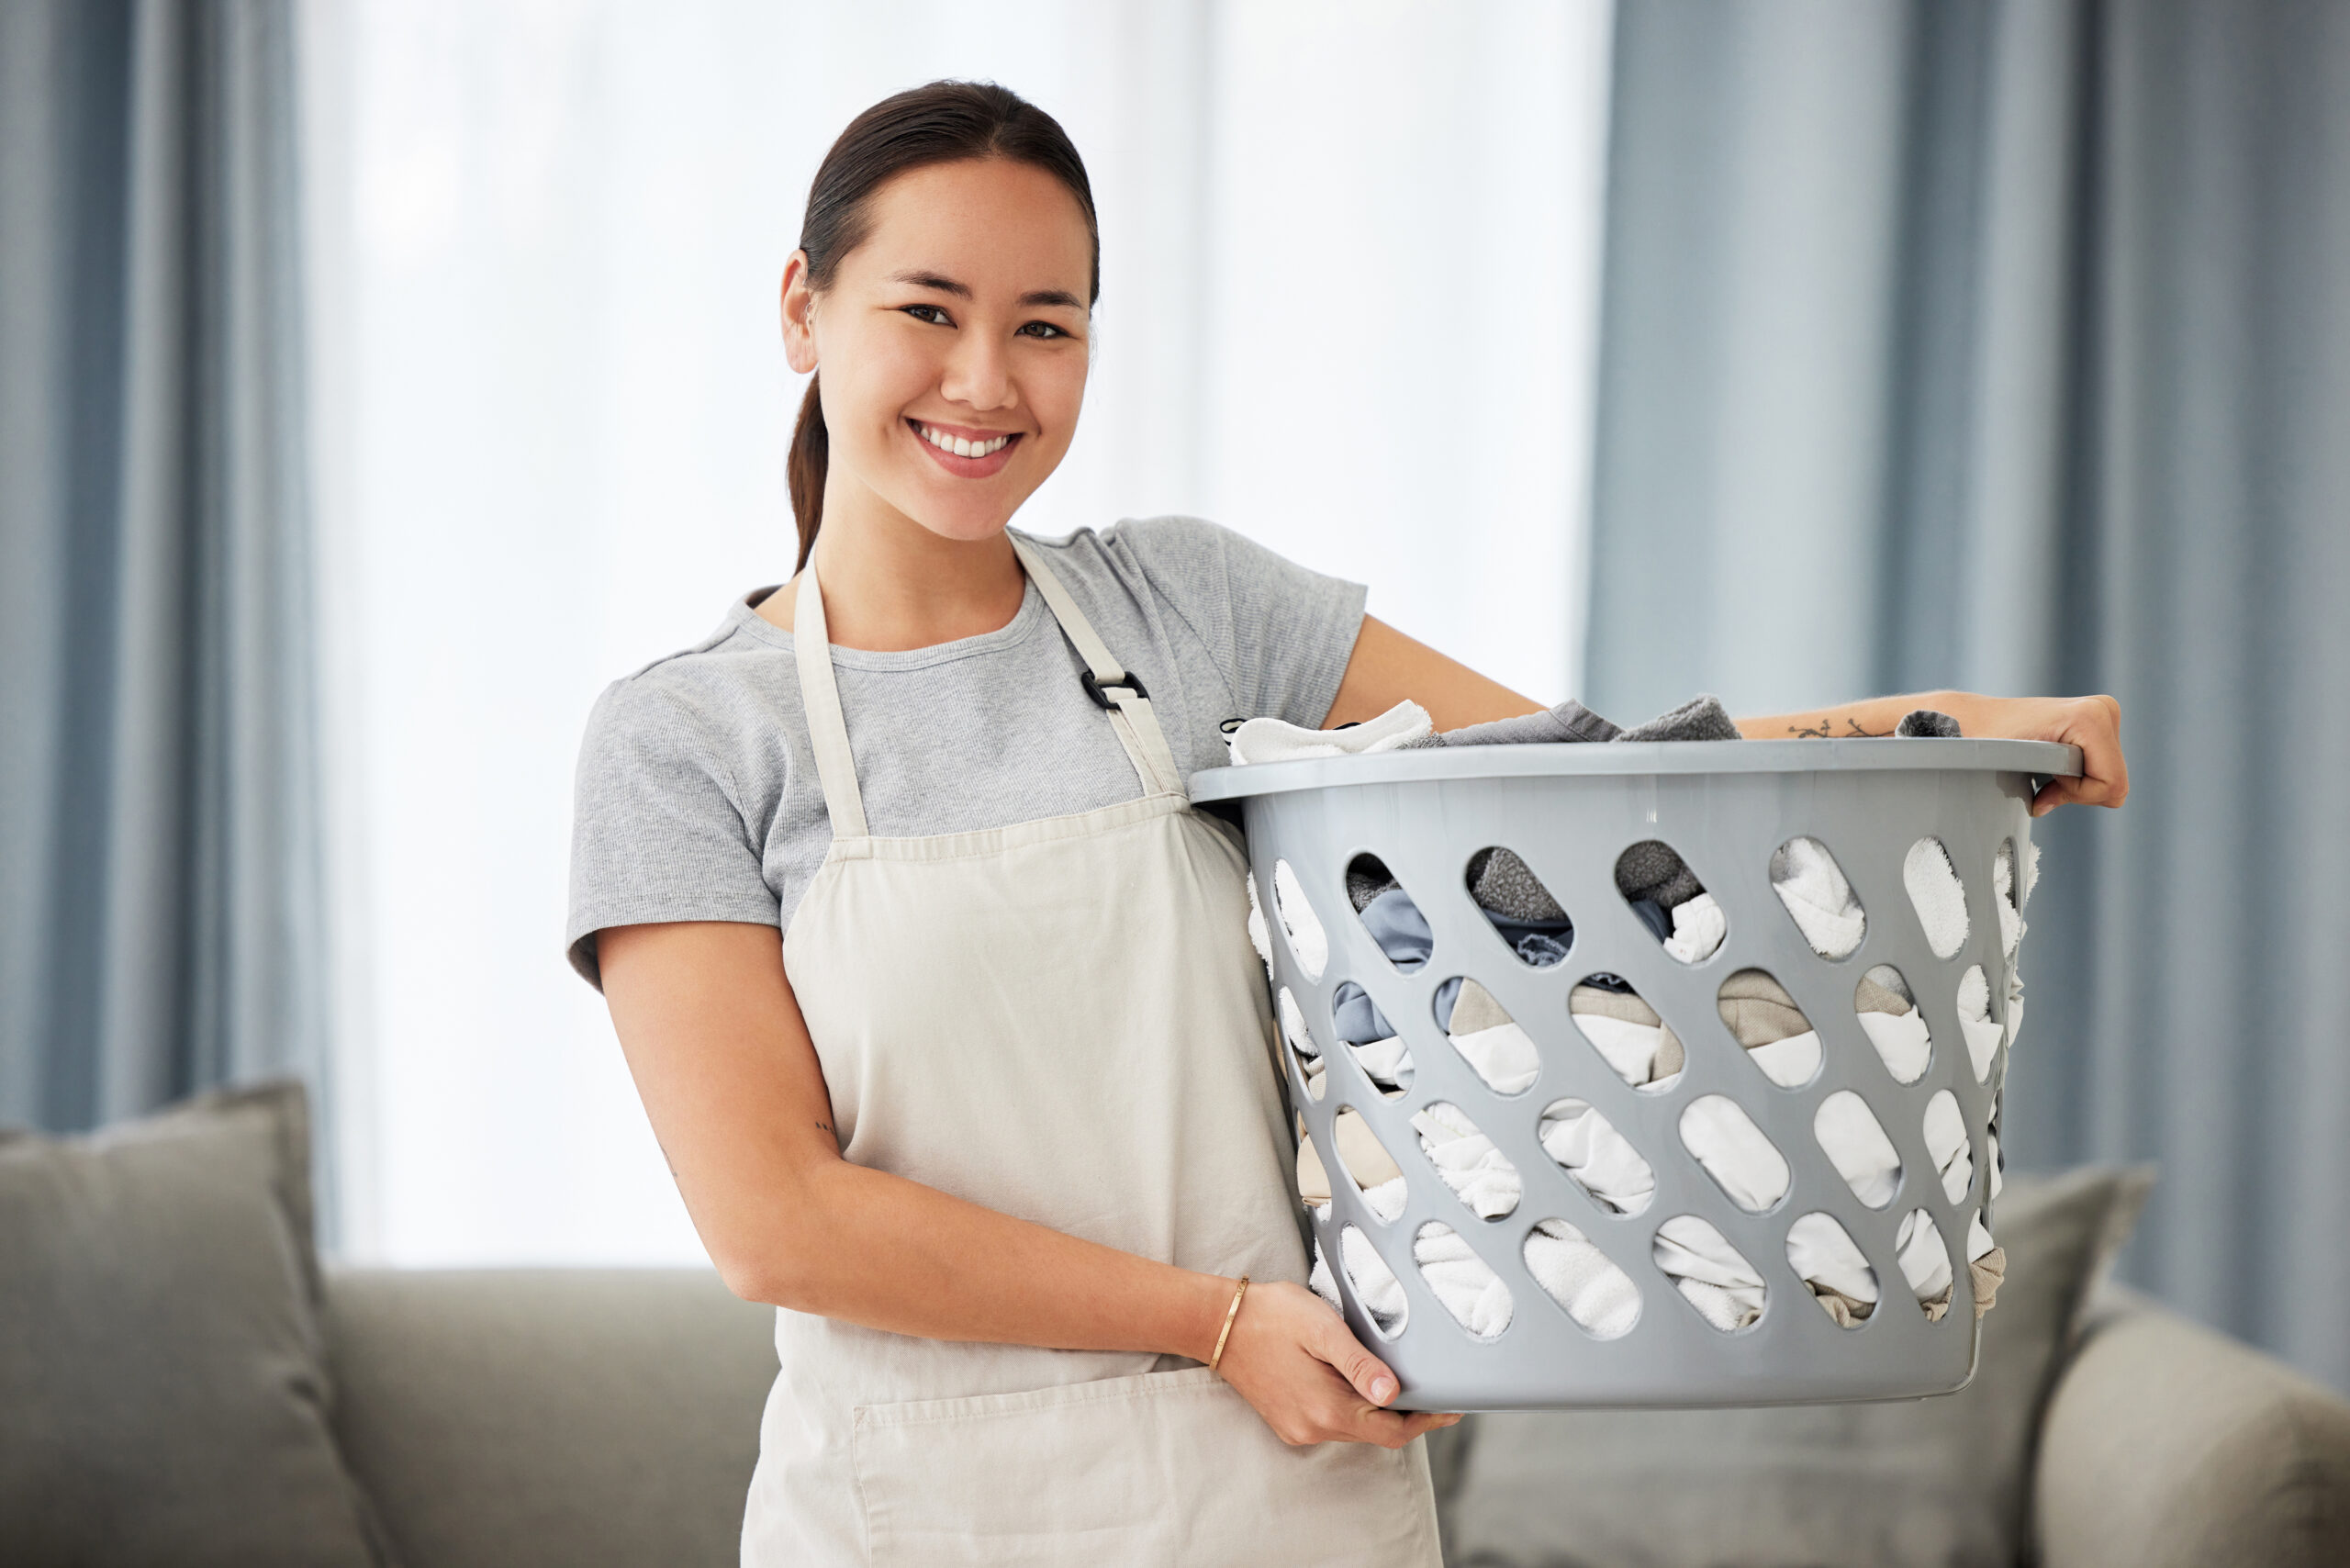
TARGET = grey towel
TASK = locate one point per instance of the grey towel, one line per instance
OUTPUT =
(1926, 723)
(1569, 721)
(1503, 884)
(1699, 719)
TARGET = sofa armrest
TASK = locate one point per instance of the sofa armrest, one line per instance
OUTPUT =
(2167, 1444)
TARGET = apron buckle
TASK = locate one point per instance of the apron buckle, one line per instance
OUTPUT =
(1101, 699)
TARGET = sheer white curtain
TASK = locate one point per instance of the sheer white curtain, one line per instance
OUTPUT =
(1349, 258)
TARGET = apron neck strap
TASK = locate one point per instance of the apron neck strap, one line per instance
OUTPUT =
(811, 646)
(1118, 693)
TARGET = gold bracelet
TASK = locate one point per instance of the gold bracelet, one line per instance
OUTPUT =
(1230, 1313)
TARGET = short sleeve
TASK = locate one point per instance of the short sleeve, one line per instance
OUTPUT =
(656, 832)
(1281, 634)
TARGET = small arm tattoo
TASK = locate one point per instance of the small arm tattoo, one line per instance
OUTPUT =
(1825, 730)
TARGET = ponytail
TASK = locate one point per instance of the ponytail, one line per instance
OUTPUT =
(935, 124)
(811, 447)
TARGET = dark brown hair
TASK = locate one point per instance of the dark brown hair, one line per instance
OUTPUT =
(940, 123)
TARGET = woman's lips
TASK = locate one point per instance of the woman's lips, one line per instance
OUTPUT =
(966, 467)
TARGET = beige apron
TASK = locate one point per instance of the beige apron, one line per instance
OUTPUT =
(1061, 1020)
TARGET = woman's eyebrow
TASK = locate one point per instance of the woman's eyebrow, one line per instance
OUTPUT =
(945, 284)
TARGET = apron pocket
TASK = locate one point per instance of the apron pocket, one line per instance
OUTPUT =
(1157, 1468)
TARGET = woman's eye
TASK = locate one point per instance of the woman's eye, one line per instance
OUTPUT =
(1042, 330)
(930, 313)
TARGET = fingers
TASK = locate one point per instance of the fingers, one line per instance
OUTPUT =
(1366, 1371)
(2093, 723)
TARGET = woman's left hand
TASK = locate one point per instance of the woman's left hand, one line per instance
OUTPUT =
(2092, 723)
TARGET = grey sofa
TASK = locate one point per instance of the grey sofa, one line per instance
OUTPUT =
(586, 1418)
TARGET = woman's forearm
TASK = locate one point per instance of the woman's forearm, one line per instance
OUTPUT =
(886, 1252)
(1875, 716)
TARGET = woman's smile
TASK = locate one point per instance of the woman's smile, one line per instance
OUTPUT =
(965, 453)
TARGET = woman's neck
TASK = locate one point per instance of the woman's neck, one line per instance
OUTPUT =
(891, 585)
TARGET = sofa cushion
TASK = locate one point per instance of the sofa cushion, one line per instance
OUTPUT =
(1942, 1481)
(163, 1392)
(2169, 1444)
(552, 1419)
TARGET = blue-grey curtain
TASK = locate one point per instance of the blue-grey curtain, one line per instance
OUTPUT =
(160, 913)
(2007, 346)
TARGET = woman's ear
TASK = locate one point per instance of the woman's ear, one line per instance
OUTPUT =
(799, 315)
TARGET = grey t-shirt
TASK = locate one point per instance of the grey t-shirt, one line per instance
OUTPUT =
(697, 796)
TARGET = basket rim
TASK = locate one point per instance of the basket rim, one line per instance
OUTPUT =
(2045, 759)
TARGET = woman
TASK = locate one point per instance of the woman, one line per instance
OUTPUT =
(995, 1126)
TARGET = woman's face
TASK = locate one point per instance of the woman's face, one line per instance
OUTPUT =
(952, 344)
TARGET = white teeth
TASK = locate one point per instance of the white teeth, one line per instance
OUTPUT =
(961, 447)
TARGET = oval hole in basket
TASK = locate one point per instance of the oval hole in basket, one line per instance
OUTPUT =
(1308, 943)
(1598, 1296)
(2006, 899)
(1984, 1033)
(1944, 1127)
(1487, 1037)
(1376, 1289)
(1463, 1282)
(1856, 1143)
(1892, 1020)
(1744, 1163)
(1779, 1040)
(1825, 1258)
(1372, 1039)
(1937, 896)
(1666, 896)
(1627, 1032)
(1531, 923)
(1925, 1263)
(1711, 1275)
(1312, 1176)
(1397, 927)
(1595, 1157)
(1479, 1174)
(1302, 1048)
(1821, 902)
(1368, 1164)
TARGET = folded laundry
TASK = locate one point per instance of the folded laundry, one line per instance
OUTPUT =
(1568, 722)
(1479, 1174)
(1366, 1032)
(1699, 719)
(1651, 872)
(1741, 1160)
(1812, 886)
(1712, 1274)
(1266, 739)
(1489, 1039)
(1983, 1033)
(1504, 885)
(1764, 1018)
(1856, 1143)
(1597, 1295)
(1890, 1018)
(1627, 1033)
(1945, 1132)
(1596, 1157)
(1936, 895)
(1698, 927)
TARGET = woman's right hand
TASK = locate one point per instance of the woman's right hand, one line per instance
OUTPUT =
(1299, 1365)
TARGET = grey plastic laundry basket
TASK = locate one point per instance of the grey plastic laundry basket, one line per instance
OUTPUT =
(1569, 812)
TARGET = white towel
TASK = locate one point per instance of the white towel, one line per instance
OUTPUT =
(1812, 886)
(1631, 1049)
(1698, 927)
(1789, 1063)
(1734, 1151)
(1925, 1262)
(1945, 1131)
(1856, 1143)
(1901, 1039)
(1388, 1062)
(1306, 938)
(1597, 1295)
(1936, 894)
(1479, 1174)
(2004, 899)
(1503, 1057)
(1596, 1156)
(1464, 1282)
(1983, 1035)
(1708, 1271)
(1823, 1252)
(1266, 739)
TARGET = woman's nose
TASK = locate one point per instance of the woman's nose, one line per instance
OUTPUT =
(978, 374)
